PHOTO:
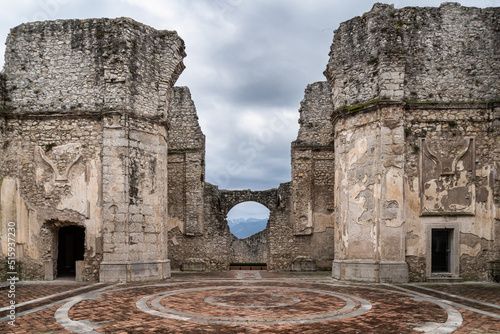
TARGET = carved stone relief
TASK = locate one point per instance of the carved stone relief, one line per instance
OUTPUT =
(447, 169)
(57, 167)
(60, 159)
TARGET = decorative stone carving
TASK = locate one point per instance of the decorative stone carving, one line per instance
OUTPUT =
(60, 160)
(447, 169)
(66, 156)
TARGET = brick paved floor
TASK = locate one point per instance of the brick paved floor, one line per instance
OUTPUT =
(26, 291)
(236, 302)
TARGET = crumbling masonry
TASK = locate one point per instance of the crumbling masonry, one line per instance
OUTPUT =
(395, 170)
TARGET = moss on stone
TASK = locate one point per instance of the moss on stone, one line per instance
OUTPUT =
(357, 107)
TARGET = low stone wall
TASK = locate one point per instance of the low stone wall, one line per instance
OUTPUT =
(252, 249)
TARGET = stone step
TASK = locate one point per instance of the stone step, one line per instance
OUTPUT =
(444, 279)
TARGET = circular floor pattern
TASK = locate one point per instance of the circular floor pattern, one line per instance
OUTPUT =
(258, 304)
(251, 300)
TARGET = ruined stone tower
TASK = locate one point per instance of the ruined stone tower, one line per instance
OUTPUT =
(417, 147)
(84, 144)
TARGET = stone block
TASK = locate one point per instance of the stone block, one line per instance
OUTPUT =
(393, 272)
(149, 270)
(150, 238)
(48, 270)
(370, 271)
(193, 265)
(134, 271)
(136, 238)
(113, 271)
(79, 271)
(302, 263)
(137, 218)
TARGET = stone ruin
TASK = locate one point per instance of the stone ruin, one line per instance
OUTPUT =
(395, 170)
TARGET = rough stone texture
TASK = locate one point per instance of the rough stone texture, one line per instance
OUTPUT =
(186, 164)
(315, 111)
(4, 94)
(205, 236)
(198, 234)
(416, 140)
(312, 162)
(312, 178)
(86, 144)
(106, 64)
(469, 187)
(231, 198)
(212, 246)
(369, 174)
(252, 249)
(302, 263)
(449, 53)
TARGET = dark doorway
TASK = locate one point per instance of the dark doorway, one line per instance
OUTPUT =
(71, 246)
(441, 250)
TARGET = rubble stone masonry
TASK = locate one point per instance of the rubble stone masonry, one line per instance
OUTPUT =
(84, 143)
(416, 96)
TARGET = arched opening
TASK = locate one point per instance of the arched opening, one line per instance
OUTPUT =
(248, 223)
(71, 247)
(247, 218)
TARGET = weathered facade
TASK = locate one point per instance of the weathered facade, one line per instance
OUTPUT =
(83, 144)
(395, 170)
(416, 96)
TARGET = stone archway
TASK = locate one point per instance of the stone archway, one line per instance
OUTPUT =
(231, 198)
(255, 248)
(249, 249)
(71, 249)
(64, 249)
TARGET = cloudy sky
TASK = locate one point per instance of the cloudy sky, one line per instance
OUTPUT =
(248, 63)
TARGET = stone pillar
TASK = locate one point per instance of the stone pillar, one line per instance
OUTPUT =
(106, 98)
(369, 173)
(135, 200)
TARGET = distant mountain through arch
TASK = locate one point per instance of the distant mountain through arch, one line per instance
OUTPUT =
(247, 218)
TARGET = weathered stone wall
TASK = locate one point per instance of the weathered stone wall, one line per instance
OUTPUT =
(416, 148)
(312, 183)
(369, 174)
(95, 64)
(4, 94)
(457, 143)
(315, 112)
(134, 200)
(281, 241)
(449, 53)
(252, 249)
(209, 250)
(83, 142)
(50, 177)
(186, 164)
